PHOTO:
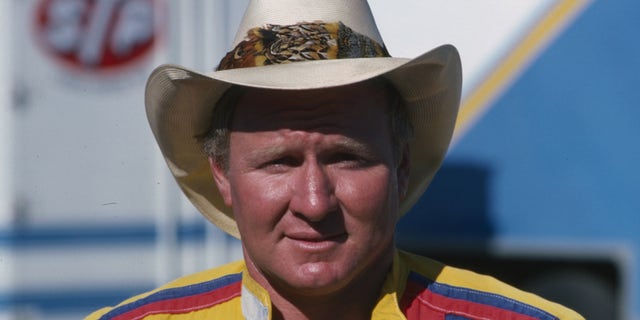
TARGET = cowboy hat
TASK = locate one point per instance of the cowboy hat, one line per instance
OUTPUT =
(297, 45)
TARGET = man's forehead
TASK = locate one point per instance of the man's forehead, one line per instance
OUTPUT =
(351, 92)
(270, 108)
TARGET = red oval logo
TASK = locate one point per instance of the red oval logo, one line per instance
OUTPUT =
(96, 34)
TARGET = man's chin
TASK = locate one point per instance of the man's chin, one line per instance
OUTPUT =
(316, 279)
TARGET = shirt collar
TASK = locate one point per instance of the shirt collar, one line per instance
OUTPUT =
(388, 306)
(256, 304)
(255, 301)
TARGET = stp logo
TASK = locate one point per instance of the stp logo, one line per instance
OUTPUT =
(96, 34)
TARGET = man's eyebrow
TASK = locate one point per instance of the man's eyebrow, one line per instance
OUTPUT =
(342, 145)
(267, 152)
(355, 146)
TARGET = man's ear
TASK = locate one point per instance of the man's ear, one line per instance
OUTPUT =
(221, 179)
(403, 171)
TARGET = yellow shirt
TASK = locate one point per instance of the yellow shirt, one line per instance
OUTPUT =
(415, 288)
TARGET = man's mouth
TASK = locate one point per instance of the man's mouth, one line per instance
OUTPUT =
(315, 241)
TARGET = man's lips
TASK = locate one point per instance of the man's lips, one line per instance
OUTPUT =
(312, 237)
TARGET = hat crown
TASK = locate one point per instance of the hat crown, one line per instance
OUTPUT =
(356, 14)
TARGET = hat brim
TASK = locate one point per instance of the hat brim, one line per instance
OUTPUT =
(179, 105)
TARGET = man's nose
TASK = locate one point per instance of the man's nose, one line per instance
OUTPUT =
(313, 193)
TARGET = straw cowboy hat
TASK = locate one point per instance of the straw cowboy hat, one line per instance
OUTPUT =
(293, 45)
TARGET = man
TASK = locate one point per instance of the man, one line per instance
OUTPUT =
(315, 143)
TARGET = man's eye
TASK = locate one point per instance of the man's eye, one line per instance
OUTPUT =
(347, 158)
(282, 162)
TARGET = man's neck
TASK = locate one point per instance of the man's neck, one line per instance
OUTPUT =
(355, 301)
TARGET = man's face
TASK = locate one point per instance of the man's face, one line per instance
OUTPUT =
(314, 185)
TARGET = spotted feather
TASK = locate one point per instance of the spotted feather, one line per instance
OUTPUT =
(278, 44)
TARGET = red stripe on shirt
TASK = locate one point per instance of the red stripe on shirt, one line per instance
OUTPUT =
(419, 302)
(184, 304)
